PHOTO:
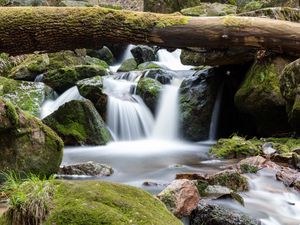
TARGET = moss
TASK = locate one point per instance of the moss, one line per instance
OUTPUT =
(231, 21)
(230, 179)
(201, 186)
(148, 65)
(128, 65)
(93, 203)
(245, 168)
(234, 147)
(74, 129)
(208, 9)
(253, 5)
(11, 114)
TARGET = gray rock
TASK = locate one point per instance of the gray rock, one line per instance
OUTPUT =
(88, 169)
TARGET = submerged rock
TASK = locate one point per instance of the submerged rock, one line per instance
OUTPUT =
(181, 197)
(260, 96)
(88, 169)
(29, 96)
(197, 96)
(209, 213)
(78, 123)
(149, 90)
(92, 89)
(27, 145)
(142, 54)
(90, 203)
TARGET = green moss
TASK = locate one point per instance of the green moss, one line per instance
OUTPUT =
(74, 129)
(201, 186)
(235, 21)
(234, 147)
(93, 203)
(253, 5)
(128, 65)
(208, 9)
(245, 168)
(148, 65)
(11, 114)
(230, 179)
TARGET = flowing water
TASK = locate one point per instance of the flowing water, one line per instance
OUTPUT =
(147, 148)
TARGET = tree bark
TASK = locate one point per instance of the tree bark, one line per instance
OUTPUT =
(25, 30)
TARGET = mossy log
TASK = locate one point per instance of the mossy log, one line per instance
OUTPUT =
(29, 29)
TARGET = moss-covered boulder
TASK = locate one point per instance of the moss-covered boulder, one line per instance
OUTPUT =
(29, 96)
(64, 78)
(128, 65)
(32, 66)
(27, 145)
(149, 90)
(86, 202)
(250, 5)
(197, 96)
(78, 123)
(92, 89)
(210, 9)
(260, 96)
(104, 54)
(290, 88)
(149, 66)
(161, 75)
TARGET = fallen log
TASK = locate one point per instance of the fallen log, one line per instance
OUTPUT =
(29, 29)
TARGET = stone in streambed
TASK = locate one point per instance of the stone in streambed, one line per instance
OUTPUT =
(78, 123)
(88, 169)
(143, 54)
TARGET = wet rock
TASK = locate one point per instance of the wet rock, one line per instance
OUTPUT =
(149, 90)
(88, 169)
(78, 123)
(250, 5)
(29, 96)
(210, 9)
(92, 89)
(289, 177)
(197, 96)
(255, 163)
(181, 197)
(161, 75)
(27, 145)
(150, 66)
(209, 213)
(104, 54)
(143, 54)
(268, 149)
(128, 65)
(260, 96)
(289, 159)
(64, 78)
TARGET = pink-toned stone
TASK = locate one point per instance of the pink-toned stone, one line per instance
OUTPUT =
(181, 197)
(287, 176)
(259, 162)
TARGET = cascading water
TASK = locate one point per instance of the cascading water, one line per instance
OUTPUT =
(127, 55)
(50, 106)
(171, 59)
(166, 126)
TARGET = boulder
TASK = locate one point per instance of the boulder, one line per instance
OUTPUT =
(104, 54)
(197, 96)
(78, 123)
(250, 5)
(210, 9)
(87, 169)
(27, 145)
(128, 65)
(161, 75)
(92, 89)
(64, 78)
(88, 203)
(29, 96)
(150, 66)
(290, 86)
(142, 54)
(289, 177)
(149, 90)
(181, 197)
(255, 163)
(209, 213)
(260, 96)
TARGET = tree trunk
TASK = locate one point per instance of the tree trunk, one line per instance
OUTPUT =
(25, 30)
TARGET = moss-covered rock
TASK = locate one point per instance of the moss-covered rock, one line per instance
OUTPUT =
(237, 147)
(29, 96)
(92, 89)
(249, 5)
(128, 65)
(142, 54)
(32, 66)
(27, 145)
(93, 203)
(5, 64)
(149, 90)
(149, 66)
(78, 123)
(260, 96)
(197, 96)
(104, 54)
(210, 9)
(290, 88)
(64, 78)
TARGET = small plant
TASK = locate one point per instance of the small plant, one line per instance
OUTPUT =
(29, 198)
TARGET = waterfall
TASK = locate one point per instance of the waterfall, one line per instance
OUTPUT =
(127, 55)
(171, 60)
(215, 115)
(50, 106)
(167, 124)
(39, 78)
